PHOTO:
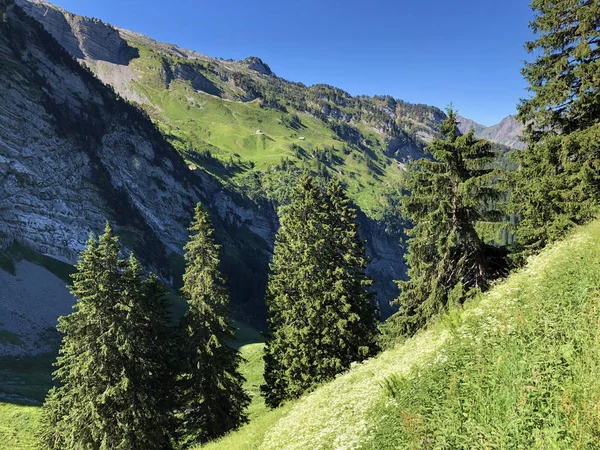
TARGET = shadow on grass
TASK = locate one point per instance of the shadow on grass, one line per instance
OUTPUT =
(25, 380)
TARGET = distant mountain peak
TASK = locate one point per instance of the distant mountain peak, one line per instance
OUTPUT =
(507, 132)
(257, 64)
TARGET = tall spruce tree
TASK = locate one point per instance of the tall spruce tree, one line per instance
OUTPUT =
(213, 400)
(446, 197)
(558, 181)
(320, 314)
(110, 366)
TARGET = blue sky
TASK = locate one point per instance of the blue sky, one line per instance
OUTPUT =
(424, 51)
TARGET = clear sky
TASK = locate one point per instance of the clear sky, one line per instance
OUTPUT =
(468, 52)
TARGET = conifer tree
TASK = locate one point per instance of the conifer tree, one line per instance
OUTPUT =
(213, 400)
(320, 315)
(110, 366)
(558, 181)
(446, 197)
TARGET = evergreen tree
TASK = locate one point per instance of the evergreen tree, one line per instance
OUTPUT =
(110, 367)
(213, 400)
(447, 196)
(320, 315)
(558, 181)
(564, 78)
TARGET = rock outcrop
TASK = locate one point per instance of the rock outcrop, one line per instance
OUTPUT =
(83, 37)
(73, 156)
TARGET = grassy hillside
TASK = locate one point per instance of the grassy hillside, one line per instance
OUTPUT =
(232, 139)
(18, 427)
(518, 367)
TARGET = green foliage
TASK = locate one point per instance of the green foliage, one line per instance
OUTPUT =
(320, 314)
(446, 198)
(563, 78)
(556, 187)
(557, 183)
(113, 390)
(212, 398)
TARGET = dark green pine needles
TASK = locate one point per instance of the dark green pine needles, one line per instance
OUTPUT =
(113, 391)
(321, 318)
(557, 184)
(446, 197)
(213, 400)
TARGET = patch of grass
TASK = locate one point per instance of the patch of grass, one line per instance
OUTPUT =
(18, 252)
(250, 436)
(524, 373)
(18, 427)
(6, 337)
(252, 370)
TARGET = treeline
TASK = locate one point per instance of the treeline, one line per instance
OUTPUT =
(128, 378)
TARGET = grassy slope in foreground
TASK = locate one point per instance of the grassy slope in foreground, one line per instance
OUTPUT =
(517, 368)
(18, 426)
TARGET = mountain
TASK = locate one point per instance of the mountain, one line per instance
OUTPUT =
(135, 131)
(75, 152)
(73, 155)
(507, 132)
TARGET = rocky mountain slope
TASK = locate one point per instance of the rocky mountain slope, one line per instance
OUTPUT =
(237, 119)
(73, 154)
(230, 134)
(507, 132)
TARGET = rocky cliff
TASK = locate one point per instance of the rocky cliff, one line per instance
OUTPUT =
(74, 155)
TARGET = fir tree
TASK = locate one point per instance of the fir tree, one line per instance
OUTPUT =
(557, 184)
(213, 400)
(320, 315)
(110, 367)
(446, 197)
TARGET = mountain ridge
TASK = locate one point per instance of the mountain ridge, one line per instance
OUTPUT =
(507, 132)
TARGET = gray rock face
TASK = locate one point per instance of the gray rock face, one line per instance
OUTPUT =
(256, 64)
(30, 302)
(508, 132)
(187, 73)
(81, 36)
(64, 158)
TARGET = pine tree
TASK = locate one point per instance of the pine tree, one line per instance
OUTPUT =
(320, 315)
(564, 78)
(110, 364)
(356, 320)
(213, 400)
(446, 197)
(558, 181)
